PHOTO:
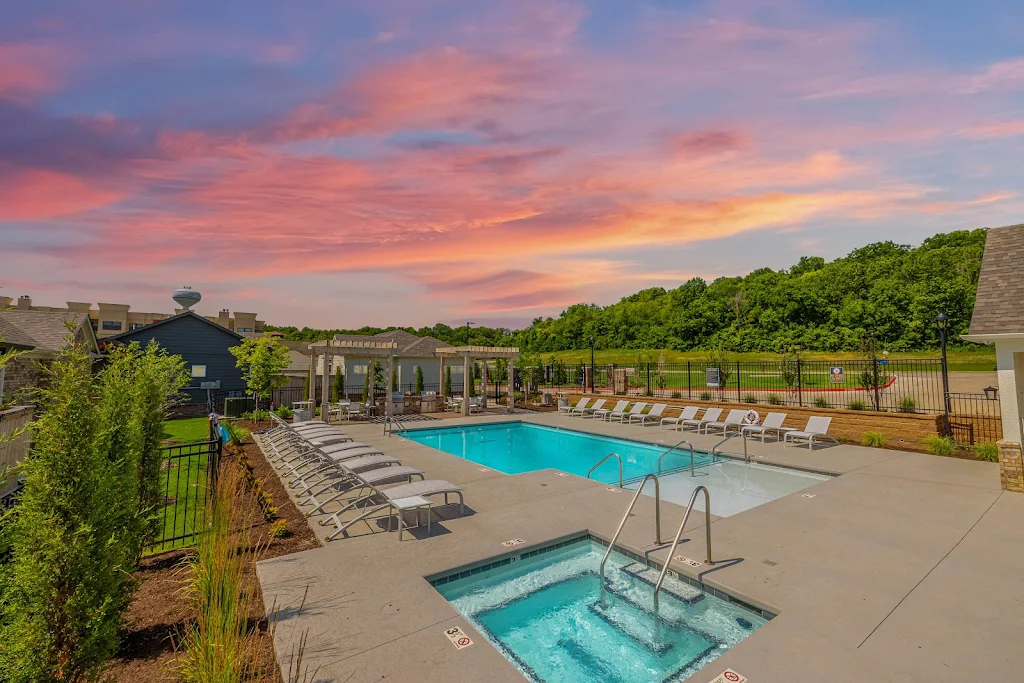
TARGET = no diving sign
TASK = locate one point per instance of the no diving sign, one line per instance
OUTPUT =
(459, 638)
(729, 676)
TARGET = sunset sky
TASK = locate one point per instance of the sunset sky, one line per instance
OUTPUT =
(380, 162)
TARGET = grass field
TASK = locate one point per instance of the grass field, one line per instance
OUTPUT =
(187, 430)
(976, 360)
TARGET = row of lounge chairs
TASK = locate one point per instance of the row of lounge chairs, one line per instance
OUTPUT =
(334, 474)
(710, 422)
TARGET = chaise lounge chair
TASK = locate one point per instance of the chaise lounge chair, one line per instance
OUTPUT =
(734, 420)
(816, 430)
(772, 425)
(627, 414)
(688, 413)
(603, 413)
(580, 405)
(655, 414)
(384, 498)
(593, 408)
(710, 415)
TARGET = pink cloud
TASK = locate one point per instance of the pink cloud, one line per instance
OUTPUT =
(39, 195)
(26, 70)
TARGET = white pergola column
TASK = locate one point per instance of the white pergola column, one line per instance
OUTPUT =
(387, 394)
(511, 402)
(312, 376)
(483, 377)
(325, 389)
(467, 377)
(440, 388)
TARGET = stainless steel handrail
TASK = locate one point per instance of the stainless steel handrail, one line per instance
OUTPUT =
(657, 518)
(390, 422)
(672, 550)
(674, 448)
(602, 461)
(746, 456)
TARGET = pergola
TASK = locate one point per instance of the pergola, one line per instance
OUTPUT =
(469, 354)
(371, 350)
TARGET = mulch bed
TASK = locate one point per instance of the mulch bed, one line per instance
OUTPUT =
(160, 609)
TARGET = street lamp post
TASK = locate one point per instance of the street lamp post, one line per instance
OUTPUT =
(942, 322)
(592, 370)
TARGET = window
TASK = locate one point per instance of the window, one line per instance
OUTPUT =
(135, 326)
(358, 369)
(95, 325)
(244, 329)
(112, 324)
(199, 371)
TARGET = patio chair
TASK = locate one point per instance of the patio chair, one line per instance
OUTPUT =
(816, 430)
(589, 410)
(710, 415)
(626, 414)
(580, 405)
(603, 413)
(346, 481)
(772, 424)
(654, 414)
(688, 413)
(733, 420)
(379, 498)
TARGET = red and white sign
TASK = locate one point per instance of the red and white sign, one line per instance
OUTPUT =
(729, 676)
(513, 542)
(688, 561)
(459, 638)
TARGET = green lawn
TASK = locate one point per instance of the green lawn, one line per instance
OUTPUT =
(187, 430)
(982, 359)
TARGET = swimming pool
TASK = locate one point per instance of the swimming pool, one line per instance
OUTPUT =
(517, 447)
(546, 612)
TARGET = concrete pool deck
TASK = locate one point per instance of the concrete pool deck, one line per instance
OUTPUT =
(908, 567)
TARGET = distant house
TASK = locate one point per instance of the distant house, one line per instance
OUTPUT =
(413, 351)
(999, 319)
(42, 335)
(202, 343)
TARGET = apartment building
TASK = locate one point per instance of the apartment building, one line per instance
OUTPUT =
(109, 320)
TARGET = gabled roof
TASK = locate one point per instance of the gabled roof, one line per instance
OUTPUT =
(165, 321)
(999, 306)
(409, 345)
(43, 331)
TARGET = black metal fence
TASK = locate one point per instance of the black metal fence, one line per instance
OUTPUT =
(913, 385)
(974, 418)
(189, 472)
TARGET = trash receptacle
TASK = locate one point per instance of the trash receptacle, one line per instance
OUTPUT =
(302, 415)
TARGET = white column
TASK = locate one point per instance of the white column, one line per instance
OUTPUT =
(483, 377)
(387, 394)
(325, 390)
(511, 385)
(312, 376)
(440, 382)
(467, 379)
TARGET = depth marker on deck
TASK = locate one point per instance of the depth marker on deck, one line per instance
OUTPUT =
(459, 638)
(513, 542)
(809, 495)
(729, 676)
(688, 561)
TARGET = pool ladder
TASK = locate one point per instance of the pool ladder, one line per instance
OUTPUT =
(390, 423)
(746, 456)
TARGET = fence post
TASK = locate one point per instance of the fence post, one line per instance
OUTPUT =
(799, 384)
(738, 396)
(878, 395)
(649, 379)
(689, 382)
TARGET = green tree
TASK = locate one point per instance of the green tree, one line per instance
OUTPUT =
(448, 380)
(419, 379)
(264, 360)
(339, 384)
(366, 385)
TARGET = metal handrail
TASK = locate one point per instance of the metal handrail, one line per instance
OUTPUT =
(391, 422)
(746, 456)
(672, 550)
(674, 448)
(657, 518)
(602, 461)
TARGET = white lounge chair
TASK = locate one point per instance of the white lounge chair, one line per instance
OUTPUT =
(603, 413)
(380, 498)
(772, 424)
(623, 415)
(654, 414)
(710, 415)
(734, 420)
(688, 413)
(816, 430)
(580, 405)
(595, 406)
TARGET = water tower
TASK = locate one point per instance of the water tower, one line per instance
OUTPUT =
(186, 297)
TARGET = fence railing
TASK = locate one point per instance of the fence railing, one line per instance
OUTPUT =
(974, 418)
(908, 385)
(189, 472)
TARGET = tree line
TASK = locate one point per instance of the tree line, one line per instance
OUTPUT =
(885, 290)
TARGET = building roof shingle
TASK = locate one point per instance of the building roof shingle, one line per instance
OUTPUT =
(41, 330)
(999, 306)
(409, 345)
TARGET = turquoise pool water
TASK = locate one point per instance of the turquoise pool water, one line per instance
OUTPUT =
(518, 447)
(548, 615)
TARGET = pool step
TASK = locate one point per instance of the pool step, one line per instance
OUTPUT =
(674, 587)
(595, 669)
(632, 621)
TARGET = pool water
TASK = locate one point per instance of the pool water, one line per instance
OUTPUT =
(518, 447)
(548, 615)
